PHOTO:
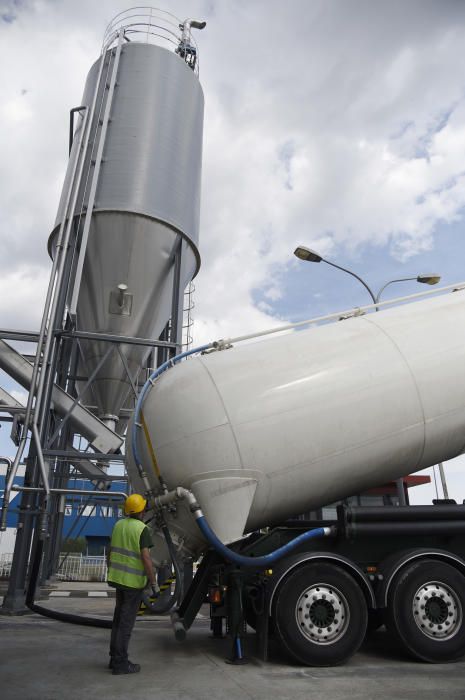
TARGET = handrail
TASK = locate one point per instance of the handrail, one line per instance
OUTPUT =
(359, 310)
(169, 29)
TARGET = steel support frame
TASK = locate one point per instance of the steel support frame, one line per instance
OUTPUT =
(28, 532)
(52, 367)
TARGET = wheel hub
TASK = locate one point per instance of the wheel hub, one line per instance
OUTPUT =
(437, 610)
(322, 614)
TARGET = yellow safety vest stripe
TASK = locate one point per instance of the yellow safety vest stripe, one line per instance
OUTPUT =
(125, 552)
(122, 567)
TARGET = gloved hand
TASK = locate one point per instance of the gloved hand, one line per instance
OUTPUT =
(155, 588)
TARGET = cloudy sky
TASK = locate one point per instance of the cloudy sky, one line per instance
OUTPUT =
(332, 123)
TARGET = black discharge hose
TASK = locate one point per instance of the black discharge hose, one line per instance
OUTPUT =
(164, 606)
(160, 608)
(54, 614)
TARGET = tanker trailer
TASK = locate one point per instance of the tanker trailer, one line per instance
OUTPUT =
(257, 433)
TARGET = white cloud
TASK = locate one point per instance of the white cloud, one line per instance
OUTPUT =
(326, 123)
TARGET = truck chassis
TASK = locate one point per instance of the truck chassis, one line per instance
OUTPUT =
(400, 566)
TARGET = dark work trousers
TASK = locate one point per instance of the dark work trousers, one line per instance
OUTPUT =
(127, 605)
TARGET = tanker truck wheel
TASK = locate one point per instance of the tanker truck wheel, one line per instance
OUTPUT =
(426, 609)
(320, 614)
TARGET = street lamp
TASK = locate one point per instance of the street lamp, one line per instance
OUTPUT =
(309, 255)
(423, 279)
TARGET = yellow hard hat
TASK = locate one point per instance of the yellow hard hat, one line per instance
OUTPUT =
(135, 503)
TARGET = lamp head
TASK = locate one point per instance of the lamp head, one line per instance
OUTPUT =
(429, 279)
(307, 254)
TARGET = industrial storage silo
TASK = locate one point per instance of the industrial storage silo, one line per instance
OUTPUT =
(133, 190)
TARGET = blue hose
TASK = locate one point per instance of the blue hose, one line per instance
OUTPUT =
(166, 365)
(261, 562)
(238, 648)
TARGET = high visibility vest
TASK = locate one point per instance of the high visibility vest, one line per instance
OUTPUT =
(126, 567)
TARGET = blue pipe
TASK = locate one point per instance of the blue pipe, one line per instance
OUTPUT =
(238, 648)
(166, 365)
(261, 562)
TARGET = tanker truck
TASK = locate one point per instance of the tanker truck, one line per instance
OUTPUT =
(231, 444)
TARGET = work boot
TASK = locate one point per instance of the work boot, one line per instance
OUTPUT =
(128, 668)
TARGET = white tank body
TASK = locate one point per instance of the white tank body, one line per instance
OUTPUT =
(265, 431)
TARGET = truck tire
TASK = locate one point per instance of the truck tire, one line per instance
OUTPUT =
(425, 611)
(320, 614)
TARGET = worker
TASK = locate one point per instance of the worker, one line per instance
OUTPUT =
(130, 567)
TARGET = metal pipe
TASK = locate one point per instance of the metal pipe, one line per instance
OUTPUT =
(373, 514)
(74, 456)
(13, 409)
(177, 494)
(60, 256)
(40, 456)
(48, 301)
(109, 338)
(71, 125)
(442, 474)
(186, 27)
(95, 176)
(26, 336)
(390, 529)
(6, 493)
(77, 492)
(458, 286)
(61, 250)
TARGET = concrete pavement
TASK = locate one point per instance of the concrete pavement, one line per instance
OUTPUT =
(42, 659)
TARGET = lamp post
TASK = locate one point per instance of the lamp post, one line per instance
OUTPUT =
(309, 255)
(423, 279)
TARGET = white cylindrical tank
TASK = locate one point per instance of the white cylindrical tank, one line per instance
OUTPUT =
(265, 431)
